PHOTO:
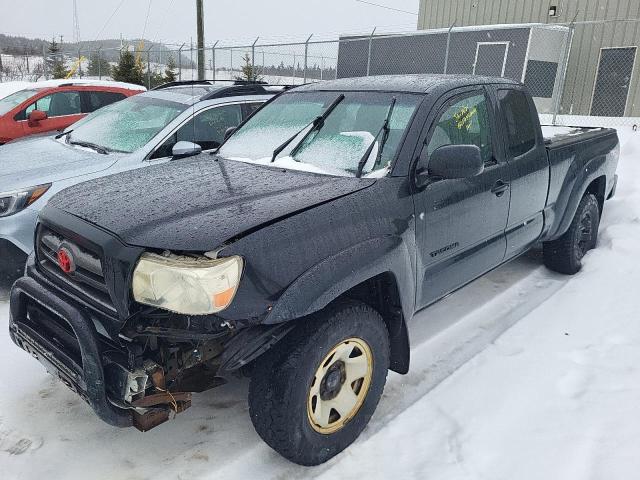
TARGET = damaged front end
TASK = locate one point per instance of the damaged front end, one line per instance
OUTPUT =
(138, 381)
(133, 372)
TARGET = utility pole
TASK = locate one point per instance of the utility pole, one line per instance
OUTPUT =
(200, 25)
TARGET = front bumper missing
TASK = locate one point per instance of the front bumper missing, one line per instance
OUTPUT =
(69, 349)
(86, 377)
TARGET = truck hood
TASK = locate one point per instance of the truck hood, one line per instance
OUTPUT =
(41, 160)
(197, 204)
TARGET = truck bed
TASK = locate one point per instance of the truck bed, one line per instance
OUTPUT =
(560, 136)
(569, 151)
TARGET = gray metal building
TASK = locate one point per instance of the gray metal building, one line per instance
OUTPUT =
(529, 53)
(601, 77)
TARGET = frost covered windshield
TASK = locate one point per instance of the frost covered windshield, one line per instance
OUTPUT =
(15, 99)
(127, 125)
(337, 145)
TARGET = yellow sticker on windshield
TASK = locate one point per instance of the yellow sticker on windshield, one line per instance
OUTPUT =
(464, 117)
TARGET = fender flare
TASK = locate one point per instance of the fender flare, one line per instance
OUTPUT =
(588, 173)
(337, 274)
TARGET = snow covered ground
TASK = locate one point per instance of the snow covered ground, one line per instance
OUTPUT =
(524, 374)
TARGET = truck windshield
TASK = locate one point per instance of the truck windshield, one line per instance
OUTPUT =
(338, 146)
(15, 99)
(127, 125)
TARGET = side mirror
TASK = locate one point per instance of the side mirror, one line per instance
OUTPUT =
(35, 116)
(184, 149)
(456, 161)
(230, 131)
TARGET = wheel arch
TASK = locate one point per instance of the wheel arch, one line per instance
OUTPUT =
(595, 184)
(382, 294)
(378, 272)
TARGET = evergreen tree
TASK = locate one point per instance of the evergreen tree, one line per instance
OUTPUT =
(249, 71)
(170, 70)
(155, 79)
(127, 69)
(98, 66)
(55, 61)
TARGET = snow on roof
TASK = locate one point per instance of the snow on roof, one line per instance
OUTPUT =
(88, 81)
(7, 88)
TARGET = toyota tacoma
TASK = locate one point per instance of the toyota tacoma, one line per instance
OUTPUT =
(299, 251)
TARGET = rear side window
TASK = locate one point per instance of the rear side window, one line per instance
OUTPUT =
(518, 118)
(96, 100)
(250, 108)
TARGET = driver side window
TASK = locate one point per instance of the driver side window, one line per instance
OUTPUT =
(464, 122)
(207, 129)
(57, 104)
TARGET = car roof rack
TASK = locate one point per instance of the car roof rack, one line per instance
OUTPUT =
(180, 83)
(235, 87)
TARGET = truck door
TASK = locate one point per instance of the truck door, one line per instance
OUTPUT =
(528, 165)
(460, 223)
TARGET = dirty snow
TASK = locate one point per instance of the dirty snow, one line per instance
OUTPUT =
(524, 374)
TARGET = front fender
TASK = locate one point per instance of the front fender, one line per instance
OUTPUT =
(335, 275)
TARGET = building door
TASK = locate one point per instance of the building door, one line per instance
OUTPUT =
(491, 58)
(611, 89)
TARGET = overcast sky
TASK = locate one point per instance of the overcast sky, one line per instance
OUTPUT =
(174, 20)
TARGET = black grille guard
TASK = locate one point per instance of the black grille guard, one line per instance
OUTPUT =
(89, 381)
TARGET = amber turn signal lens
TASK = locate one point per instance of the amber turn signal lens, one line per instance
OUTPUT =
(37, 193)
(222, 299)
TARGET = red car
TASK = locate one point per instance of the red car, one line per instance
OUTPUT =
(39, 110)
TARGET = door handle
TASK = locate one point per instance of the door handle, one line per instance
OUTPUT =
(499, 188)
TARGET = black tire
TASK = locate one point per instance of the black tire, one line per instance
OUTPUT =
(283, 377)
(564, 255)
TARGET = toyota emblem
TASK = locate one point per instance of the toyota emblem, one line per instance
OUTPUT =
(65, 260)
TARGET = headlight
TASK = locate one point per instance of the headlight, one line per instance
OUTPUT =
(13, 202)
(192, 286)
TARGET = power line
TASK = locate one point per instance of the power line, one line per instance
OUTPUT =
(146, 20)
(388, 8)
(109, 19)
(76, 23)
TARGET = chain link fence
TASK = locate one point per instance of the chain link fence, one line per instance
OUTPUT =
(575, 71)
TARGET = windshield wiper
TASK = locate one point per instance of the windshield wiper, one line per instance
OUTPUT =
(62, 134)
(383, 130)
(315, 125)
(93, 146)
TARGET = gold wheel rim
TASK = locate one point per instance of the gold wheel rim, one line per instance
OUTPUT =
(340, 385)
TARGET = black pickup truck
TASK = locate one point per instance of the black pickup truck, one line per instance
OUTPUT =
(299, 251)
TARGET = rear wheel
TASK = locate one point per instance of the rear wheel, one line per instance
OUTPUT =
(315, 391)
(565, 254)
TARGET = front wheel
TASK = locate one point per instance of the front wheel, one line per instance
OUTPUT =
(312, 395)
(565, 254)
